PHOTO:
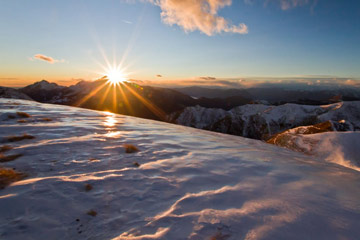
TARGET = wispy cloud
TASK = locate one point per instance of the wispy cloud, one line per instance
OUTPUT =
(126, 21)
(286, 4)
(45, 58)
(8, 78)
(201, 15)
(303, 81)
(289, 4)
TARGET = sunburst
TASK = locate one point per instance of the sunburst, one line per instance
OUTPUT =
(116, 76)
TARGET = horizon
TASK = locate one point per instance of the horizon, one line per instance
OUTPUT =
(179, 119)
(244, 83)
(158, 43)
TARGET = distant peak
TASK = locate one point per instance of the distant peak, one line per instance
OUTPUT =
(43, 84)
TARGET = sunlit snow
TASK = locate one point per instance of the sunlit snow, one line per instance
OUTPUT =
(187, 183)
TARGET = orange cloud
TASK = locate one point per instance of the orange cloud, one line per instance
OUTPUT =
(200, 15)
(46, 59)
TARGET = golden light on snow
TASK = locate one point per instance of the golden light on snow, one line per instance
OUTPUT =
(110, 120)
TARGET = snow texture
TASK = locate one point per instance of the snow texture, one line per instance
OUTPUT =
(338, 147)
(187, 183)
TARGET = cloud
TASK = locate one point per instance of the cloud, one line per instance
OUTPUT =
(201, 15)
(46, 59)
(289, 4)
(286, 4)
(126, 21)
(8, 78)
(207, 78)
(303, 82)
(352, 82)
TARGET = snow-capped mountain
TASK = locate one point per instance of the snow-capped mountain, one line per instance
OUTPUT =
(43, 85)
(262, 121)
(82, 180)
(44, 91)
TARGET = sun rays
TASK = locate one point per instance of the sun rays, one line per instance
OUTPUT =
(115, 92)
(116, 76)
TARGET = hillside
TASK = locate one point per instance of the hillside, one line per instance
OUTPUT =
(260, 121)
(6, 92)
(322, 141)
(96, 175)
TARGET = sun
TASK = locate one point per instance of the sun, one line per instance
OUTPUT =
(116, 76)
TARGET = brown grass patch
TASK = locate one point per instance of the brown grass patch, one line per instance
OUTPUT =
(88, 187)
(92, 213)
(8, 176)
(9, 158)
(46, 119)
(5, 148)
(11, 116)
(22, 121)
(129, 148)
(23, 114)
(136, 164)
(220, 236)
(19, 138)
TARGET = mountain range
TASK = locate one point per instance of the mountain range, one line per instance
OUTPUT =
(258, 113)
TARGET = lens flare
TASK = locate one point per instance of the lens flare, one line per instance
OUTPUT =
(116, 76)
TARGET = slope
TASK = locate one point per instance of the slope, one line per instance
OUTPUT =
(182, 183)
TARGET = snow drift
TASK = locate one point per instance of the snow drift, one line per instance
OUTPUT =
(182, 183)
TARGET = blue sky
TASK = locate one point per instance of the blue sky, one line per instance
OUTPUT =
(285, 38)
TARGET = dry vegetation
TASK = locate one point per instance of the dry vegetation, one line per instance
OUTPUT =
(92, 213)
(5, 148)
(88, 187)
(19, 138)
(46, 119)
(9, 158)
(23, 114)
(220, 236)
(129, 148)
(8, 176)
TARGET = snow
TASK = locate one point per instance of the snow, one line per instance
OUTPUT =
(44, 85)
(202, 118)
(254, 120)
(191, 184)
(338, 147)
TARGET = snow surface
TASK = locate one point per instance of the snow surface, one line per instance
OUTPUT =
(338, 147)
(191, 184)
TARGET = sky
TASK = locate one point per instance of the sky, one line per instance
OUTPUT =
(177, 40)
